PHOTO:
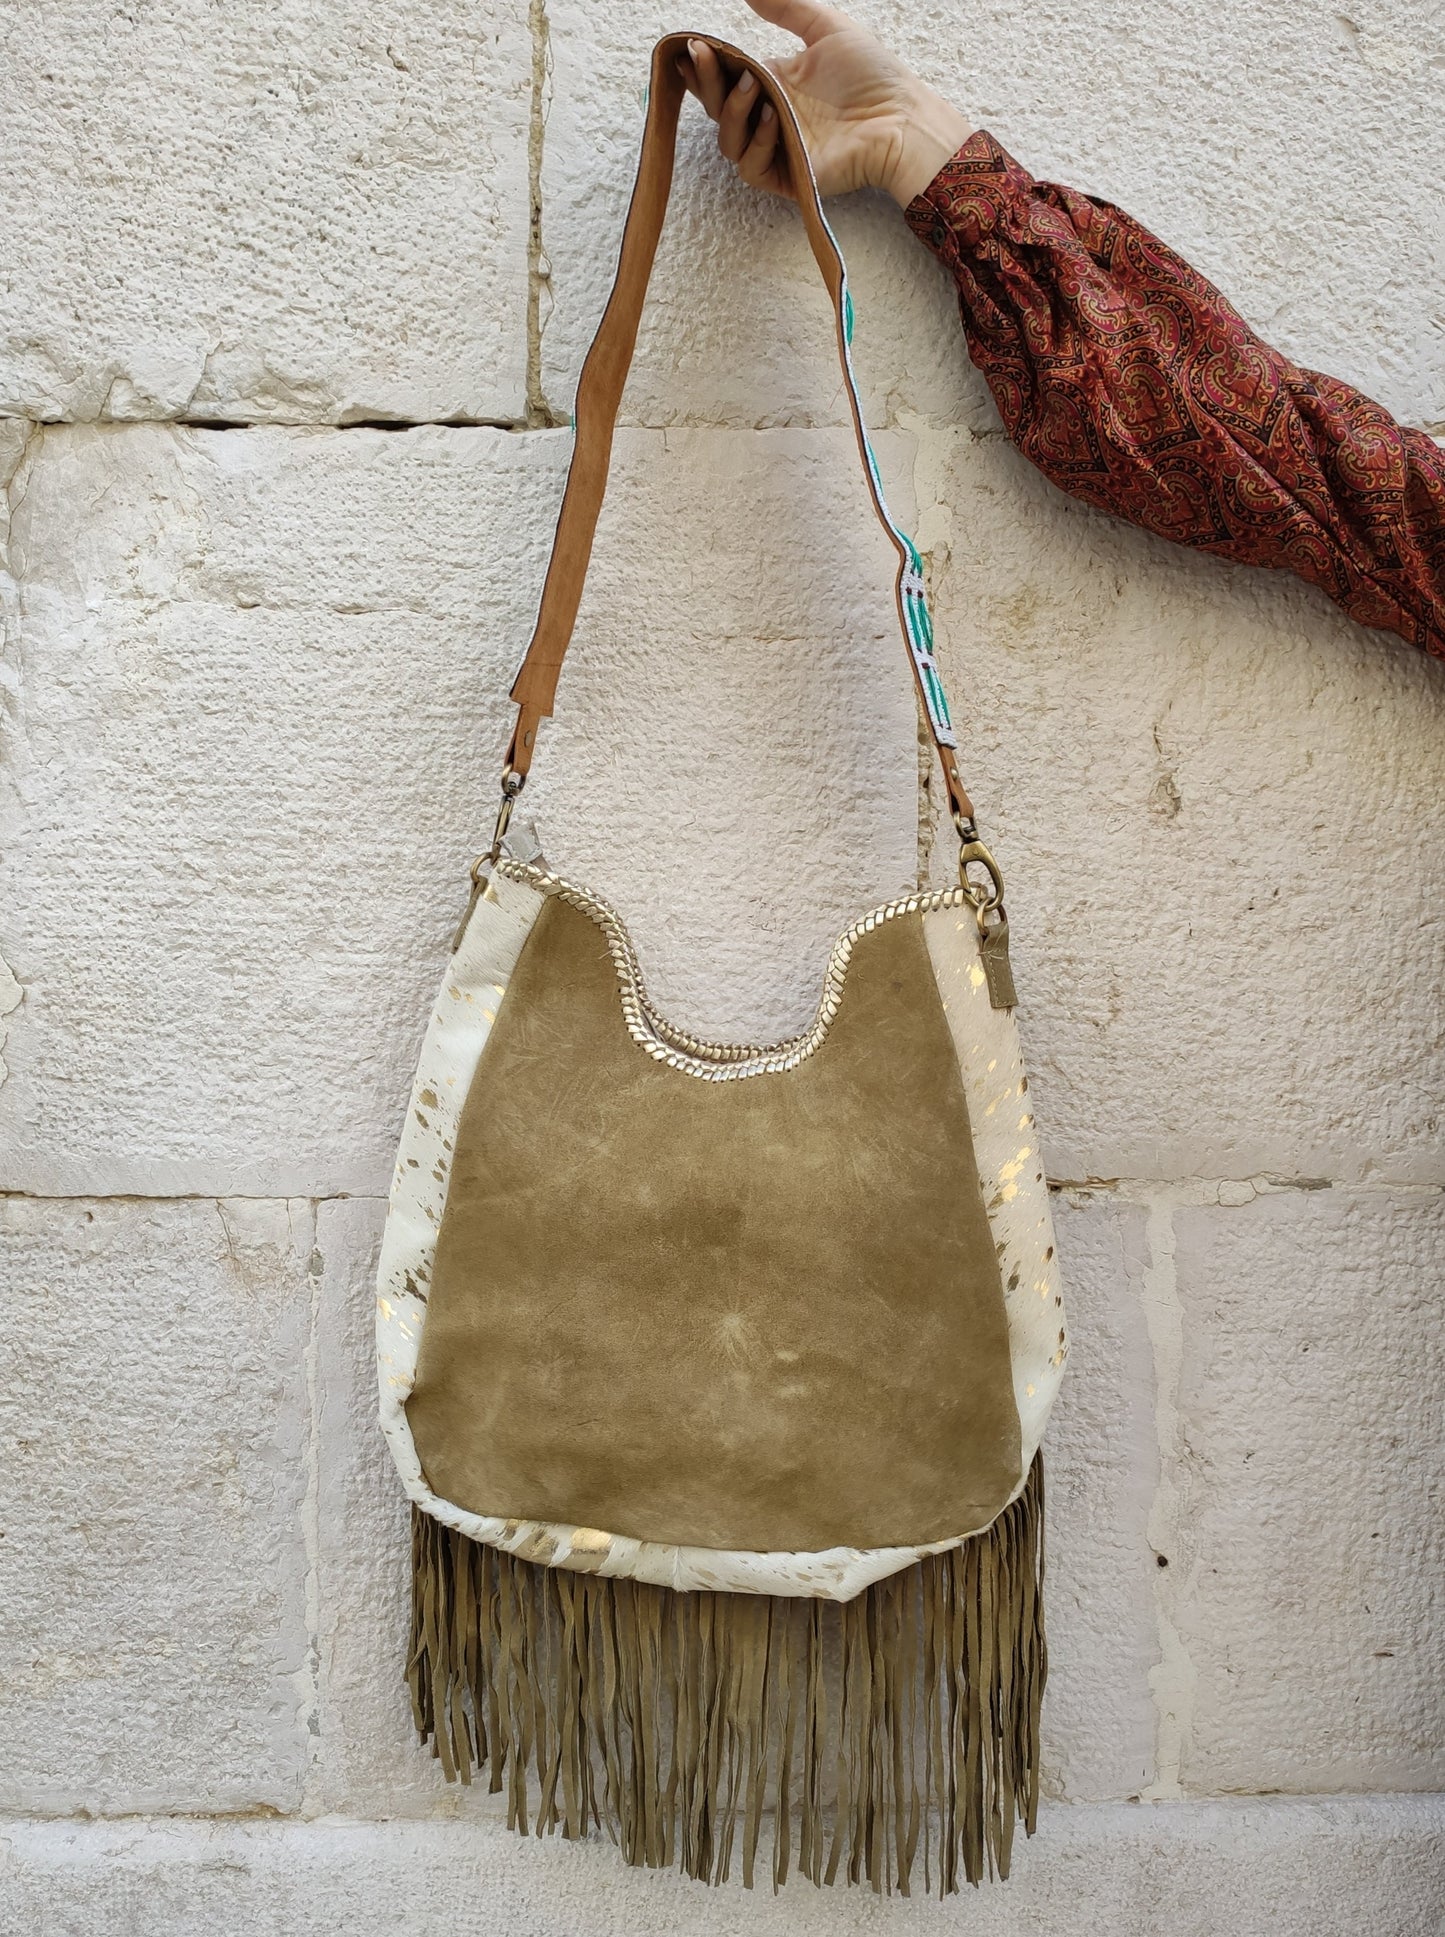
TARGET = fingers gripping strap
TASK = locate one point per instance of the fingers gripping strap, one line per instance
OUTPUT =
(599, 393)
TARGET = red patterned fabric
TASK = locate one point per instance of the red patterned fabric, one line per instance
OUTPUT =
(1132, 384)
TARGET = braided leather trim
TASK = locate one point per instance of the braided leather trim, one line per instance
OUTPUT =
(719, 1062)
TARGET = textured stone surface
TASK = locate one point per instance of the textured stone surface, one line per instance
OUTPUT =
(154, 1638)
(1100, 1466)
(368, 1760)
(259, 716)
(255, 720)
(1220, 808)
(1307, 1589)
(304, 215)
(1288, 1869)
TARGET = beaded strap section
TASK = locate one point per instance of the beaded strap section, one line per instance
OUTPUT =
(718, 1062)
(912, 593)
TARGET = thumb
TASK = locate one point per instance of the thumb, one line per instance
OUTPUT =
(805, 18)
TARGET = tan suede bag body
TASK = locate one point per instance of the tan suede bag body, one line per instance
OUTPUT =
(715, 1373)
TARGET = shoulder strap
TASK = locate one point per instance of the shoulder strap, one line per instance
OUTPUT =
(599, 392)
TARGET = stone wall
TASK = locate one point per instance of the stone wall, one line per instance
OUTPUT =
(291, 309)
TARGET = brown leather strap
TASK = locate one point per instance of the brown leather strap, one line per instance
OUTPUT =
(599, 393)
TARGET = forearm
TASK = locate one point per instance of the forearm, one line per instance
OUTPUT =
(1132, 384)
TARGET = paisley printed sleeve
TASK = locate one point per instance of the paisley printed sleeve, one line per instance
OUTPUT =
(1132, 384)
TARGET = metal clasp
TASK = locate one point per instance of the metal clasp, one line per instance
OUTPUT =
(986, 896)
(512, 785)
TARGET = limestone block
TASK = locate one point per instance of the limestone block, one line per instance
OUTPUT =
(258, 722)
(1285, 153)
(1288, 1869)
(258, 707)
(1306, 1590)
(368, 1759)
(1100, 1466)
(739, 327)
(315, 216)
(1219, 805)
(154, 1639)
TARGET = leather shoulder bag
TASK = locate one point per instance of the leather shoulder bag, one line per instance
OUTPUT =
(716, 1374)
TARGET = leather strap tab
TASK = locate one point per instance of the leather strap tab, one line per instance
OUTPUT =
(599, 394)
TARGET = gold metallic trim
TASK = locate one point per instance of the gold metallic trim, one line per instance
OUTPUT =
(719, 1062)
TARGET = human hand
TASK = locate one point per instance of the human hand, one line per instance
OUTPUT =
(867, 120)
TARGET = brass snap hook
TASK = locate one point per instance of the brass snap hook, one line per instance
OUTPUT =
(984, 897)
(512, 785)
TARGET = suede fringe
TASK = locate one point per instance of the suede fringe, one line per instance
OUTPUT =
(899, 1725)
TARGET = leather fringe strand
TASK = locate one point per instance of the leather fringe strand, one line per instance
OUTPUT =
(899, 1725)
